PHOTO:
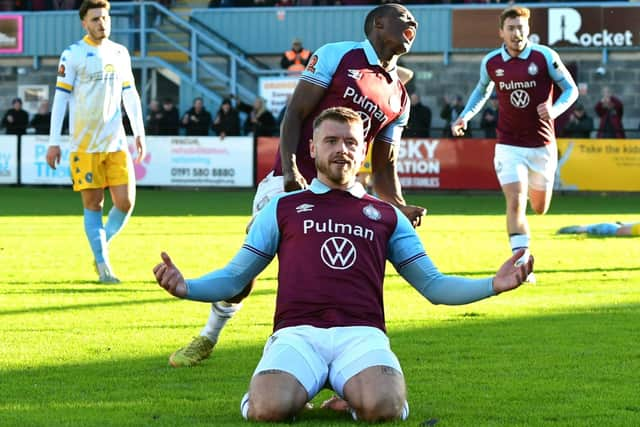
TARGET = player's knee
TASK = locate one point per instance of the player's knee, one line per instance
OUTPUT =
(540, 210)
(124, 205)
(516, 200)
(516, 208)
(380, 407)
(540, 207)
(270, 408)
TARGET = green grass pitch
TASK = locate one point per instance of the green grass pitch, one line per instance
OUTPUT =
(565, 352)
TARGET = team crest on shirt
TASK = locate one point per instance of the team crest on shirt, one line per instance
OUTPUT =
(533, 69)
(262, 203)
(109, 68)
(372, 213)
(394, 103)
(311, 66)
(62, 71)
(499, 72)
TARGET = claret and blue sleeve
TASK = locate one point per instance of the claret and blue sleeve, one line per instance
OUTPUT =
(409, 258)
(256, 253)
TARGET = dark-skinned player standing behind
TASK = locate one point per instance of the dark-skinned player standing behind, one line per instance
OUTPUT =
(362, 76)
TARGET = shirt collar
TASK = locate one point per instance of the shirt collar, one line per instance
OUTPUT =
(523, 55)
(356, 190)
(90, 42)
(372, 58)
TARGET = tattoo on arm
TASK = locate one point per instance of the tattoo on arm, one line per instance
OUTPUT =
(387, 370)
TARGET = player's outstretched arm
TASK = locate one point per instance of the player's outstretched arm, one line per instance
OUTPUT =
(304, 100)
(169, 277)
(510, 275)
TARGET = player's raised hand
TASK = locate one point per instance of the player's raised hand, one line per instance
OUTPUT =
(169, 277)
(414, 213)
(294, 181)
(53, 156)
(512, 274)
(458, 127)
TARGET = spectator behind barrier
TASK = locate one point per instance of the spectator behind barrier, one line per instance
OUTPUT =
(610, 110)
(260, 121)
(170, 121)
(227, 121)
(197, 120)
(580, 124)
(15, 120)
(295, 59)
(489, 119)
(419, 124)
(40, 123)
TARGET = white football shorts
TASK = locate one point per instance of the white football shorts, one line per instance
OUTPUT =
(268, 188)
(534, 167)
(314, 355)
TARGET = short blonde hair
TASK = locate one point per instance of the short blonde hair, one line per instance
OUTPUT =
(337, 114)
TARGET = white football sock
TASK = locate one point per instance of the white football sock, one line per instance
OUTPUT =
(519, 241)
(244, 406)
(403, 416)
(221, 312)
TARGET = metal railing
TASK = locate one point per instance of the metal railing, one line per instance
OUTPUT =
(208, 60)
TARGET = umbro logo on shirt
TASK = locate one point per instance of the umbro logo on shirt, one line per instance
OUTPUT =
(305, 207)
(499, 72)
(354, 74)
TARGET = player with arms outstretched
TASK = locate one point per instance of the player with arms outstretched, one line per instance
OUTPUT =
(332, 241)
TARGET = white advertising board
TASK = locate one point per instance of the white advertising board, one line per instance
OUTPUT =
(193, 161)
(170, 161)
(34, 168)
(275, 91)
(8, 159)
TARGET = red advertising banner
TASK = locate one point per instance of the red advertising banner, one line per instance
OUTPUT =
(10, 34)
(266, 151)
(446, 164)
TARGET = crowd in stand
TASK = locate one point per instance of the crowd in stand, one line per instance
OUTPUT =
(236, 118)
(233, 118)
(38, 5)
